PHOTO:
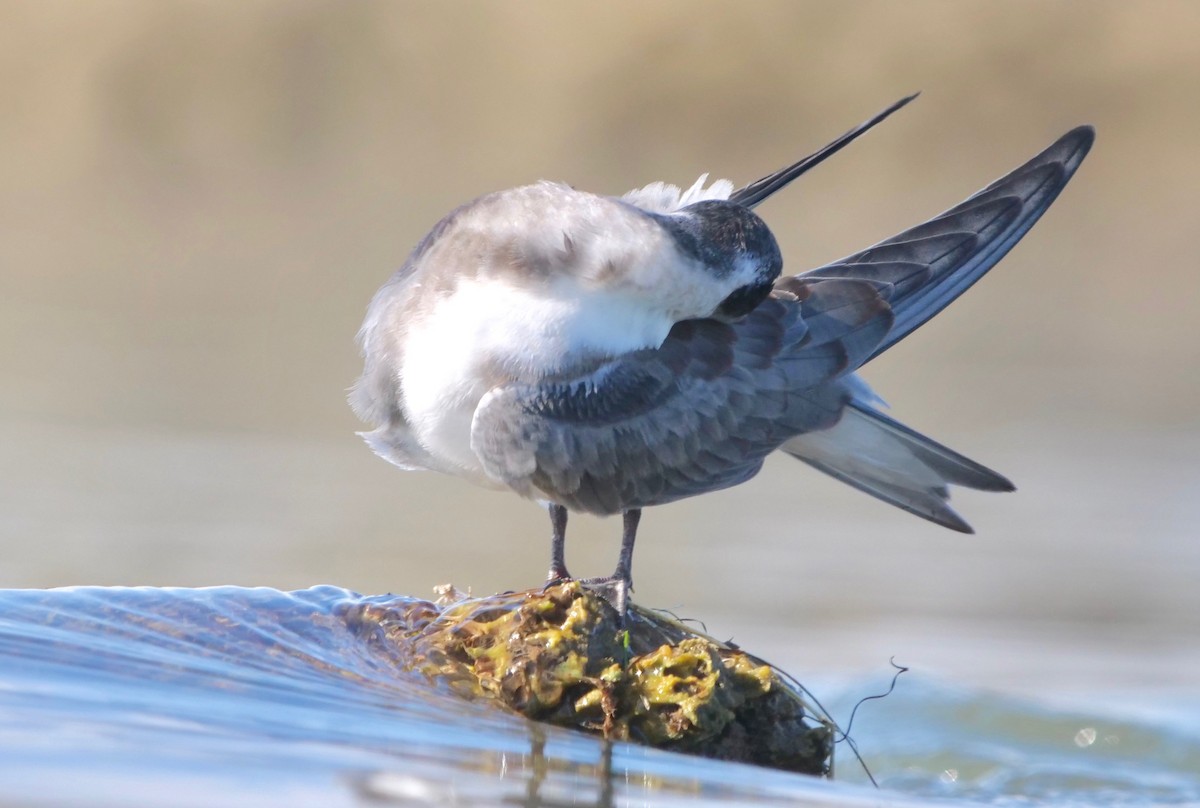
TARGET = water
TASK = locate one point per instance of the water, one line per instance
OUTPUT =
(236, 696)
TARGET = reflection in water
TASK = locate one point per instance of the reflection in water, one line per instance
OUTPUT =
(259, 697)
(548, 782)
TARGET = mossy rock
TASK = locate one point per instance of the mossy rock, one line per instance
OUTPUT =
(560, 655)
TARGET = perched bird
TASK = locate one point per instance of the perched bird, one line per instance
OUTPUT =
(605, 354)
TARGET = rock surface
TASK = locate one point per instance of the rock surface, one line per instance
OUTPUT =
(560, 655)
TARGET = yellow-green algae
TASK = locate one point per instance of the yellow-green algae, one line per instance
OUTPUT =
(560, 655)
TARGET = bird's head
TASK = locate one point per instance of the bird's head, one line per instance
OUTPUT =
(733, 248)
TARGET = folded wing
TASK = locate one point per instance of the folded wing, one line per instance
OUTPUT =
(697, 414)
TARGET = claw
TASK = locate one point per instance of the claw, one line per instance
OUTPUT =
(615, 589)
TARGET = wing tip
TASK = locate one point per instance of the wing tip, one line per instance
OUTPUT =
(1003, 485)
(1076, 143)
(1085, 133)
(957, 524)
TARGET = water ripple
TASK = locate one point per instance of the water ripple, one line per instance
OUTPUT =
(142, 696)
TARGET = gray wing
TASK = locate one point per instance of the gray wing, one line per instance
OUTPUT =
(697, 414)
(919, 272)
(923, 269)
(701, 412)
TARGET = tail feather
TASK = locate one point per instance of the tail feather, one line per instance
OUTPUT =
(880, 456)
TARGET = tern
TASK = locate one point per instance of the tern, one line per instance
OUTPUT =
(605, 354)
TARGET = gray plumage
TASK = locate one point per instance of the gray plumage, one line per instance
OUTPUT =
(702, 411)
(609, 354)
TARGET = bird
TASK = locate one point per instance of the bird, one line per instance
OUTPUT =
(605, 354)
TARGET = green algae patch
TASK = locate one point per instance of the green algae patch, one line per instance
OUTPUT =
(560, 655)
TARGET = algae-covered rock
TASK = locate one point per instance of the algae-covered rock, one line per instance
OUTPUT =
(560, 655)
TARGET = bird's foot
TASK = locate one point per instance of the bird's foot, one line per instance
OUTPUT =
(557, 575)
(613, 588)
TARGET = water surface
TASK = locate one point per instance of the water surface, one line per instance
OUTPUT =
(226, 695)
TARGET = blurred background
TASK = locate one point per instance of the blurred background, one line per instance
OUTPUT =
(197, 200)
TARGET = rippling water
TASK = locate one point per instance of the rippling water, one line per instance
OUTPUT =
(144, 696)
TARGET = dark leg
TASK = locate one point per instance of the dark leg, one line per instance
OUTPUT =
(624, 571)
(558, 542)
(620, 583)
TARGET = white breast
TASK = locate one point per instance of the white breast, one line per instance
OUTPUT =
(489, 331)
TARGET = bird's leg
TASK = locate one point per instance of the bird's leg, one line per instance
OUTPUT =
(624, 571)
(622, 577)
(620, 583)
(558, 541)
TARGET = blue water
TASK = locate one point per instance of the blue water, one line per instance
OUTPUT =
(232, 696)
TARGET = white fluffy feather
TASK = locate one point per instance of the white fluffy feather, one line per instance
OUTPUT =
(660, 197)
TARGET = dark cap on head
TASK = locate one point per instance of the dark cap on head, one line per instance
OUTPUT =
(721, 235)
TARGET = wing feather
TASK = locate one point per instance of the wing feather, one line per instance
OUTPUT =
(957, 247)
(701, 412)
(697, 414)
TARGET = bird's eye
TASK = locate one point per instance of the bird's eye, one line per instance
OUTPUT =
(742, 301)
